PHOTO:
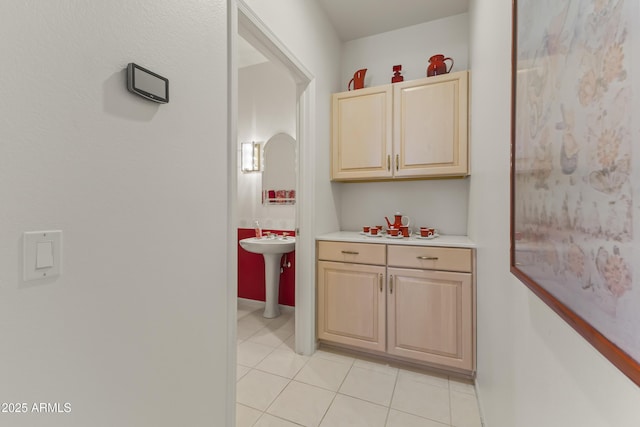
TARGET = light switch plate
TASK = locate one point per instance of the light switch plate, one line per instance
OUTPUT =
(44, 254)
(37, 254)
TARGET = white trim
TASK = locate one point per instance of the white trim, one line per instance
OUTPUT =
(253, 30)
(305, 219)
(260, 305)
(232, 221)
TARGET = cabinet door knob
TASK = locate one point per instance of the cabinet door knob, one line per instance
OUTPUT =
(388, 162)
(380, 277)
(390, 284)
(429, 258)
(350, 252)
(397, 162)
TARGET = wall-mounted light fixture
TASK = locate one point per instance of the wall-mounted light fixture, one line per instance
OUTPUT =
(250, 157)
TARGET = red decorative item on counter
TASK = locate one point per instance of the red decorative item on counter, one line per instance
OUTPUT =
(397, 76)
(397, 223)
(437, 65)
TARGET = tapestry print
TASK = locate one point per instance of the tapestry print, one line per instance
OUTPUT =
(575, 202)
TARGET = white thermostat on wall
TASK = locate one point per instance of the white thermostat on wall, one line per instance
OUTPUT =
(147, 84)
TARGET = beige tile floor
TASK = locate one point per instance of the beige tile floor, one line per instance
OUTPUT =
(279, 388)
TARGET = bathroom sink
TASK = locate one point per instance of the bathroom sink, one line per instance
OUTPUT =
(269, 246)
(271, 250)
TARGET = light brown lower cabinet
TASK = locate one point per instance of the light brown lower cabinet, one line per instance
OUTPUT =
(398, 300)
(429, 317)
(351, 304)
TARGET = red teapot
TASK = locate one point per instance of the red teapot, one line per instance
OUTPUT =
(397, 223)
(437, 65)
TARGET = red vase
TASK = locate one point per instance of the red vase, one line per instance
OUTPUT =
(437, 65)
(357, 80)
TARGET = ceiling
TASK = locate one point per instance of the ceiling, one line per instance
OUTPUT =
(353, 19)
(248, 55)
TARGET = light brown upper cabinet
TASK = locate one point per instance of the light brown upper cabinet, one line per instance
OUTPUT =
(362, 129)
(408, 130)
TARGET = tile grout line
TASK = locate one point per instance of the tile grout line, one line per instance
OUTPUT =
(388, 407)
(336, 392)
(328, 407)
(259, 370)
(273, 401)
(278, 375)
(450, 405)
(276, 398)
(395, 385)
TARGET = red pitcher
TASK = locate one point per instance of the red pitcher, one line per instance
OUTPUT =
(357, 80)
(437, 65)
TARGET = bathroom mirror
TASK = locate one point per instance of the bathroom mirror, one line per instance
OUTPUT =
(279, 175)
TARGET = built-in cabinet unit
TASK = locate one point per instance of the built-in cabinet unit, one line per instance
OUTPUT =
(415, 303)
(414, 129)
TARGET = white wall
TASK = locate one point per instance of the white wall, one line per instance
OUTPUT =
(533, 369)
(410, 46)
(266, 106)
(441, 204)
(134, 332)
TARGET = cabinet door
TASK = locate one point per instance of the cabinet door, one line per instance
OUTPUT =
(361, 134)
(430, 318)
(430, 133)
(351, 304)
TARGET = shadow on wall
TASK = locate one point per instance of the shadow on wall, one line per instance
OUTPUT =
(119, 102)
(251, 282)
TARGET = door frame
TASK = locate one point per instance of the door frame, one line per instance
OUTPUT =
(242, 20)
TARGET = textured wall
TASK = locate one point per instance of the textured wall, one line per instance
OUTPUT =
(133, 333)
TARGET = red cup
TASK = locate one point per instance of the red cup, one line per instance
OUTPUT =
(404, 230)
(374, 231)
(366, 229)
(393, 231)
(424, 232)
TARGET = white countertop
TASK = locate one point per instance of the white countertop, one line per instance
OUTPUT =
(357, 237)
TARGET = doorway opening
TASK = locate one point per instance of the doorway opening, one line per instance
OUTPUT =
(244, 23)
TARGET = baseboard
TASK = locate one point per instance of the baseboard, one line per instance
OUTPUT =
(256, 303)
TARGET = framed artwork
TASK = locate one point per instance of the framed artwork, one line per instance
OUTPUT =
(574, 170)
